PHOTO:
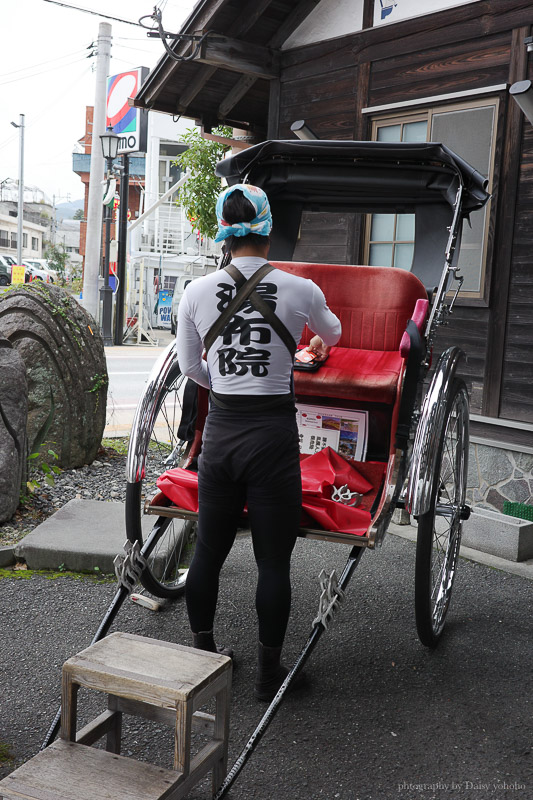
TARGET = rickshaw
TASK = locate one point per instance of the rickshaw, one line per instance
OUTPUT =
(416, 410)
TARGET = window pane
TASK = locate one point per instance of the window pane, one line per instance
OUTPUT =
(405, 228)
(415, 131)
(389, 133)
(163, 185)
(382, 228)
(380, 255)
(168, 149)
(471, 255)
(469, 133)
(403, 256)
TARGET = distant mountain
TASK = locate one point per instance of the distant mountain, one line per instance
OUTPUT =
(67, 210)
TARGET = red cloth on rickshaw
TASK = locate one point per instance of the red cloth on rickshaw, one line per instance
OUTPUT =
(320, 473)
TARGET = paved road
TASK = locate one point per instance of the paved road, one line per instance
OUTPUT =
(128, 368)
(381, 716)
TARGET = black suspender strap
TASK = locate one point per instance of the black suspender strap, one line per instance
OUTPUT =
(246, 290)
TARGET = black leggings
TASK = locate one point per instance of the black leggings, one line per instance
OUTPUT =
(247, 459)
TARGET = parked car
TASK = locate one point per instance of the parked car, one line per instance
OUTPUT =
(5, 270)
(43, 265)
(36, 273)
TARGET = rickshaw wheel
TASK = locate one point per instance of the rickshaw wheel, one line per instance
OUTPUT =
(154, 448)
(439, 529)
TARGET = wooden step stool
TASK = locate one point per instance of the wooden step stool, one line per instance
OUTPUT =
(148, 678)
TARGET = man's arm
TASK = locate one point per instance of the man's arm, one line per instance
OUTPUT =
(190, 346)
(324, 323)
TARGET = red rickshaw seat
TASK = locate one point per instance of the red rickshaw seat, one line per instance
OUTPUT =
(374, 305)
(361, 375)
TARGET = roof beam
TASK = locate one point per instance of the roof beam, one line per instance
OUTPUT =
(237, 56)
(299, 13)
(295, 18)
(246, 22)
(194, 88)
(237, 93)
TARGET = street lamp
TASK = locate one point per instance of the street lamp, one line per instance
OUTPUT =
(110, 143)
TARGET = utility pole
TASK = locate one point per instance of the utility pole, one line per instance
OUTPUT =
(94, 206)
(20, 218)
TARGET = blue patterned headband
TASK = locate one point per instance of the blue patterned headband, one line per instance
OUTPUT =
(262, 222)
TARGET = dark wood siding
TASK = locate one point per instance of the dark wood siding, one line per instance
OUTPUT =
(327, 238)
(327, 103)
(517, 379)
(463, 49)
(450, 68)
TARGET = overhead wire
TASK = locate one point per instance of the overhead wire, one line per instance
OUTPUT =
(94, 13)
(43, 71)
(41, 63)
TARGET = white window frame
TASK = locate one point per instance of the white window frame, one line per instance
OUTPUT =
(426, 110)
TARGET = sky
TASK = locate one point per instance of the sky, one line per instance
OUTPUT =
(45, 74)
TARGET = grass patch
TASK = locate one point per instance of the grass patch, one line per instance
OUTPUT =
(118, 445)
(6, 756)
(51, 575)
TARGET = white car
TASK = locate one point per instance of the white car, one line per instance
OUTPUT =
(34, 272)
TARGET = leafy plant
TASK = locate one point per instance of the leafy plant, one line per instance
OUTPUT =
(199, 194)
(57, 257)
(43, 470)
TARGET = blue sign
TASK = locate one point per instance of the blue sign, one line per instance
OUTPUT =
(163, 308)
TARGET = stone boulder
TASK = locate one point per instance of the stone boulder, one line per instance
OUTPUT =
(66, 369)
(13, 417)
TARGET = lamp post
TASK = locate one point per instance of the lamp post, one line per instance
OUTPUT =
(110, 142)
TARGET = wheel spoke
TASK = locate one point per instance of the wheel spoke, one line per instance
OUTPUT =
(442, 524)
(166, 569)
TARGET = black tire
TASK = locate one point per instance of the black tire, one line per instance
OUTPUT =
(439, 529)
(4, 280)
(166, 573)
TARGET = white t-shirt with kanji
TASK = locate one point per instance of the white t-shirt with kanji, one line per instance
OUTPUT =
(249, 358)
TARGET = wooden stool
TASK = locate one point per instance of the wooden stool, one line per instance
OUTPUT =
(148, 678)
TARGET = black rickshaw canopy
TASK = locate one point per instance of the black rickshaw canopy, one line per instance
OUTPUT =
(369, 177)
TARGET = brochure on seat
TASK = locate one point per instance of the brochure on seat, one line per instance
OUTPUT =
(343, 430)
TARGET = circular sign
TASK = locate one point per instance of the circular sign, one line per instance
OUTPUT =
(120, 89)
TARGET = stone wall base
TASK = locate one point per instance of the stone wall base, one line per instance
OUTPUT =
(498, 534)
(496, 475)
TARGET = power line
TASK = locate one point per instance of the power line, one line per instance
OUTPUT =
(41, 63)
(43, 71)
(95, 13)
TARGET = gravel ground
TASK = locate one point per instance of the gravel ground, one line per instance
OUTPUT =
(102, 480)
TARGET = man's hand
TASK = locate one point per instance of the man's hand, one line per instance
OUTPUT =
(317, 346)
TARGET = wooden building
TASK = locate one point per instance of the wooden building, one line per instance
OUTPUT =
(412, 70)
